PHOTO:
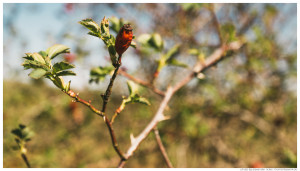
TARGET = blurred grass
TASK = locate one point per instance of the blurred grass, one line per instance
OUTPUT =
(68, 135)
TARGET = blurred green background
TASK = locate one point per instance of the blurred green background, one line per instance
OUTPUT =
(242, 114)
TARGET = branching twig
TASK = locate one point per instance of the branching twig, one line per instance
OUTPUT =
(141, 82)
(200, 66)
(117, 112)
(102, 114)
(105, 98)
(159, 116)
(162, 148)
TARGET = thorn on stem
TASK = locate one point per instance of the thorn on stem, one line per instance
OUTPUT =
(132, 139)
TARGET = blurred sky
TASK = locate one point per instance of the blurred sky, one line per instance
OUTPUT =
(34, 27)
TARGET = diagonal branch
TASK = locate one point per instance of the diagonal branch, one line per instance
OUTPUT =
(159, 116)
(215, 57)
(216, 23)
(211, 60)
(162, 148)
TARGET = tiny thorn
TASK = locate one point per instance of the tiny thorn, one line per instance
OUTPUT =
(77, 94)
(132, 139)
(104, 118)
(163, 117)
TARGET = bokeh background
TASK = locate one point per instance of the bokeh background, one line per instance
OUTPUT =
(242, 114)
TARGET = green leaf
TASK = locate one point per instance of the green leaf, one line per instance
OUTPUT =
(59, 82)
(65, 73)
(133, 44)
(67, 87)
(28, 56)
(193, 51)
(62, 66)
(174, 62)
(91, 25)
(99, 73)
(22, 133)
(38, 57)
(144, 39)
(21, 126)
(17, 132)
(172, 52)
(43, 53)
(112, 54)
(143, 101)
(104, 25)
(132, 87)
(93, 34)
(57, 49)
(37, 73)
(156, 42)
(34, 64)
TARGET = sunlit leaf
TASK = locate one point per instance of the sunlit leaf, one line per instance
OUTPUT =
(144, 39)
(143, 101)
(57, 49)
(156, 41)
(38, 57)
(132, 87)
(34, 64)
(62, 66)
(90, 24)
(99, 73)
(37, 73)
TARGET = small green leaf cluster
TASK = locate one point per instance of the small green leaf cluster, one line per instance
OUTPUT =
(99, 73)
(153, 41)
(134, 96)
(116, 24)
(42, 66)
(102, 32)
(169, 58)
(22, 135)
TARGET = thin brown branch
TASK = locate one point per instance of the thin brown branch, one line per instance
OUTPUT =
(211, 60)
(107, 94)
(105, 98)
(141, 82)
(102, 114)
(25, 160)
(216, 23)
(247, 24)
(162, 148)
(117, 112)
(88, 104)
